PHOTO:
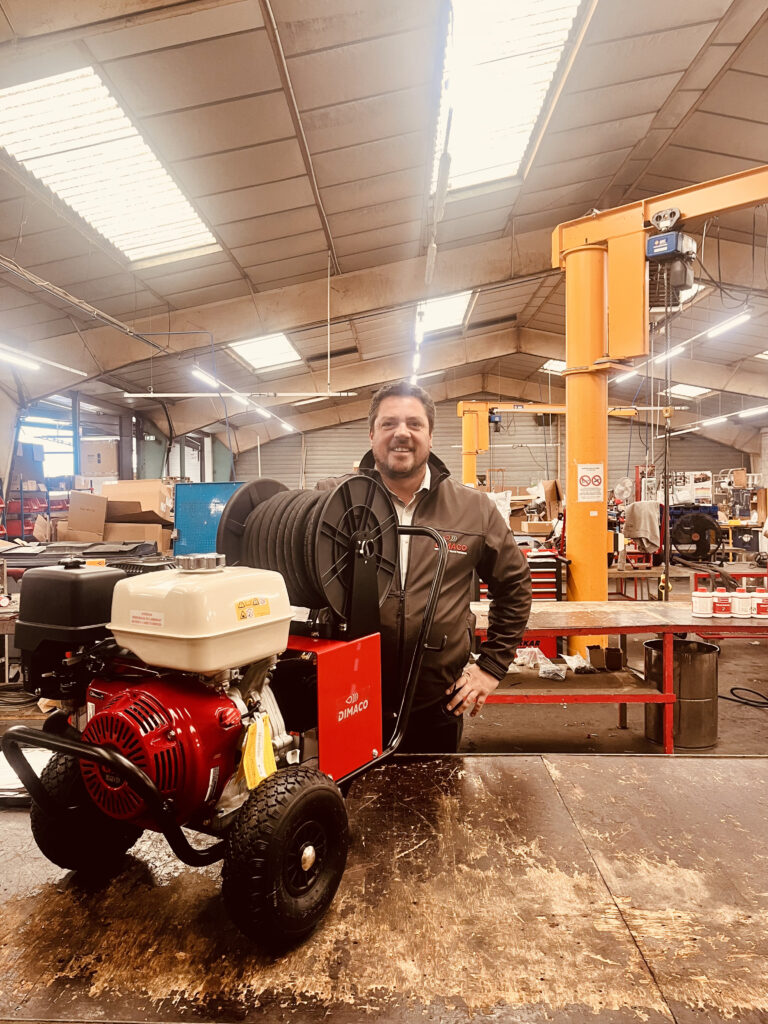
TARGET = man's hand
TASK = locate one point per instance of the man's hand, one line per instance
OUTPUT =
(471, 688)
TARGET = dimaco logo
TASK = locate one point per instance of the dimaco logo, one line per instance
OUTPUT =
(354, 706)
(452, 540)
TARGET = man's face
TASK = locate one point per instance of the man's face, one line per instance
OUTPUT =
(401, 438)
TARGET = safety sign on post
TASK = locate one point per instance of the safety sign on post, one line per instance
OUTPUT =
(591, 481)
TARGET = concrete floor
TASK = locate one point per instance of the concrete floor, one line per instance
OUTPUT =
(541, 884)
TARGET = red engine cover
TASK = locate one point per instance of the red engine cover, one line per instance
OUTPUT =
(181, 733)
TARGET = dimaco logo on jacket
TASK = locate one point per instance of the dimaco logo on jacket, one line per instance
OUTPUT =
(452, 540)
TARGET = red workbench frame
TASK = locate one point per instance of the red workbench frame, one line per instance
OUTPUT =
(601, 618)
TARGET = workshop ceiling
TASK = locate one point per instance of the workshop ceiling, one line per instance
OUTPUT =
(304, 136)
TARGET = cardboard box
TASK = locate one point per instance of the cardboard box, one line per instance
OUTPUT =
(739, 477)
(762, 505)
(126, 532)
(87, 513)
(149, 495)
(93, 483)
(537, 527)
(42, 529)
(98, 458)
(63, 532)
(553, 498)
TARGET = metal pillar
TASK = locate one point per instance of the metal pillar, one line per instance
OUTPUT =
(586, 426)
(76, 457)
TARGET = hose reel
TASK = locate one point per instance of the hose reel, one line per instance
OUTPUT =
(334, 549)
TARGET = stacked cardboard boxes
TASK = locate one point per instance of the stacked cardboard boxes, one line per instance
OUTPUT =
(127, 510)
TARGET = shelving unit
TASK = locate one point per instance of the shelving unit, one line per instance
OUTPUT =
(22, 509)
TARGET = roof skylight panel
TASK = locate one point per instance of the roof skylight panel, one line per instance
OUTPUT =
(500, 63)
(267, 352)
(70, 133)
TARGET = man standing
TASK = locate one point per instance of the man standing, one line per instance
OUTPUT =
(401, 420)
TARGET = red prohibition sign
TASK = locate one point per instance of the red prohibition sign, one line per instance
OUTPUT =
(597, 481)
(585, 481)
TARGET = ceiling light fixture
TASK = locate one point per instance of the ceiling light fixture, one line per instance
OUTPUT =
(757, 411)
(711, 333)
(671, 354)
(726, 325)
(714, 420)
(70, 133)
(309, 401)
(11, 357)
(196, 371)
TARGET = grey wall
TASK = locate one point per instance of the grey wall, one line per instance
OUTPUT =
(522, 453)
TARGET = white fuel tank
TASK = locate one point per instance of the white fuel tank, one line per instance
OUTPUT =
(204, 617)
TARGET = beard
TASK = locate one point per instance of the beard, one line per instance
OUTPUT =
(402, 472)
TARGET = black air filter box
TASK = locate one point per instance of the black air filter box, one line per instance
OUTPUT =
(69, 604)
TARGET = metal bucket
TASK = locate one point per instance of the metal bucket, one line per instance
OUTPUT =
(694, 679)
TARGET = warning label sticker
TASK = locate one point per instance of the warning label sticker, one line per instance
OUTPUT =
(252, 608)
(144, 618)
(591, 481)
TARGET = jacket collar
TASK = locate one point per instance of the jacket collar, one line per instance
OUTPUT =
(437, 468)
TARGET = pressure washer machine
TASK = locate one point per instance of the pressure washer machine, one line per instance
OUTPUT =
(197, 698)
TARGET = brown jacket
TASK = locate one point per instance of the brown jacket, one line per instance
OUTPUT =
(478, 541)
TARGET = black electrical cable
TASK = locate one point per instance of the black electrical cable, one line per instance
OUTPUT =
(761, 702)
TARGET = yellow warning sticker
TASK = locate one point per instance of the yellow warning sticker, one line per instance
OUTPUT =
(252, 608)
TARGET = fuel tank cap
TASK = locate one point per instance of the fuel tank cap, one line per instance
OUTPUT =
(210, 561)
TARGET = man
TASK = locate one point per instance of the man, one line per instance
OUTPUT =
(401, 420)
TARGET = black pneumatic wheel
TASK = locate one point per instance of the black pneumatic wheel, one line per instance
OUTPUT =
(81, 838)
(285, 856)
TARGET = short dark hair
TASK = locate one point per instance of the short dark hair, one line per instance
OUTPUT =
(401, 389)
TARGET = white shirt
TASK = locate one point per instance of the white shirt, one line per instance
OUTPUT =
(405, 518)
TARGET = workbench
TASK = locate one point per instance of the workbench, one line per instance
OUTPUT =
(601, 618)
(494, 888)
(645, 580)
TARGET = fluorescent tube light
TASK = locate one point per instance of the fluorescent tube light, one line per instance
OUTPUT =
(761, 355)
(688, 430)
(498, 49)
(416, 361)
(286, 426)
(757, 411)
(11, 357)
(726, 325)
(71, 134)
(669, 355)
(714, 420)
(196, 371)
(309, 401)
(626, 376)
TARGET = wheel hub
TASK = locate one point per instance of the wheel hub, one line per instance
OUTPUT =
(308, 857)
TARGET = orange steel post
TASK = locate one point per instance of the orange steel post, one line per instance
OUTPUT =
(586, 426)
(474, 437)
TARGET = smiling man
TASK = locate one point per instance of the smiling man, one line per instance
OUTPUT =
(401, 420)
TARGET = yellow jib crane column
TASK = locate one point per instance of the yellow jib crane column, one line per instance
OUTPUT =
(586, 424)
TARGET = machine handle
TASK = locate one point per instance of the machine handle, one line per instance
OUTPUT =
(19, 735)
(419, 648)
